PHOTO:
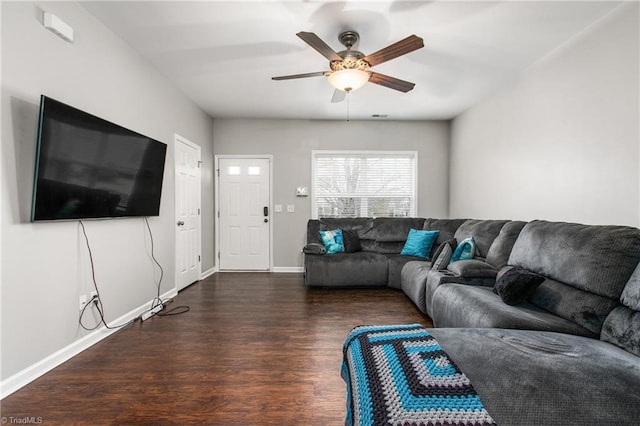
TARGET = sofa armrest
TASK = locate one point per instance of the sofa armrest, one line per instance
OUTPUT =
(314, 248)
(472, 268)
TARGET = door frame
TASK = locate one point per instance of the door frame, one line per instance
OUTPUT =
(216, 177)
(176, 140)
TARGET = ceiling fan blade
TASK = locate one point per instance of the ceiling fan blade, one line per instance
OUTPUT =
(316, 42)
(402, 47)
(391, 82)
(338, 96)
(309, 74)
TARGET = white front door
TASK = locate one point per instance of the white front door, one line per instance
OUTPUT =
(187, 226)
(244, 213)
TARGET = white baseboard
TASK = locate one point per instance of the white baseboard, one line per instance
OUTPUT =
(208, 272)
(288, 269)
(29, 374)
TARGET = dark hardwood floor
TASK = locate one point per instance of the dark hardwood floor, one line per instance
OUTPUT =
(255, 349)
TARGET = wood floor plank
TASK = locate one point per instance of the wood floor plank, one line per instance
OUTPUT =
(254, 349)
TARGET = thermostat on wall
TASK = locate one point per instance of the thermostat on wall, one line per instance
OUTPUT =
(302, 191)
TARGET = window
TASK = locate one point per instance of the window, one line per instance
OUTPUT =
(363, 183)
(253, 171)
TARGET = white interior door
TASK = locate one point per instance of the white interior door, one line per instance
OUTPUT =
(187, 224)
(244, 213)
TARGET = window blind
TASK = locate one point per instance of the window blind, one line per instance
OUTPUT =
(364, 184)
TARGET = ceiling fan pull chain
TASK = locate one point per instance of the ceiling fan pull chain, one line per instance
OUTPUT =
(348, 97)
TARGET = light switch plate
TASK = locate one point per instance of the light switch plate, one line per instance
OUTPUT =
(278, 208)
(291, 208)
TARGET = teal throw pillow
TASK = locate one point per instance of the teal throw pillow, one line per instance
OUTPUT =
(465, 250)
(419, 243)
(332, 241)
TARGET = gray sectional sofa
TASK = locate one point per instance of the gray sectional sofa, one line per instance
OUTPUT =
(568, 354)
(379, 263)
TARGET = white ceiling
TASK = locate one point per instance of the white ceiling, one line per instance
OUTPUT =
(223, 54)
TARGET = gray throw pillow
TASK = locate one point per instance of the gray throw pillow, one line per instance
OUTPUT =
(442, 256)
(516, 285)
(472, 268)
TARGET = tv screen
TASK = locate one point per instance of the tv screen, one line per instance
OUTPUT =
(87, 167)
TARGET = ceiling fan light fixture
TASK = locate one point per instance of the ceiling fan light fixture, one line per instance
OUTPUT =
(348, 80)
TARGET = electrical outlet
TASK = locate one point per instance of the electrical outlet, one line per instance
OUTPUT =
(93, 294)
(82, 301)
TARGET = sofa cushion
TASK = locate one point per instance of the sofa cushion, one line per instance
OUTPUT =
(544, 378)
(394, 229)
(597, 259)
(472, 268)
(631, 293)
(622, 325)
(438, 278)
(362, 225)
(447, 228)
(622, 328)
(483, 231)
(347, 270)
(391, 233)
(462, 305)
(396, 266)
(419, 243)
(585, 309)
(332, 241)
(413, 279)
(498, 254)
(515, 285)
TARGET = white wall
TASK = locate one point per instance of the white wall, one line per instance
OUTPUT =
(291, 142)
(563, 142)
(45, 265)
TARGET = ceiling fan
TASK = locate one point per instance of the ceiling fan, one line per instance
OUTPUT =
(351, 69)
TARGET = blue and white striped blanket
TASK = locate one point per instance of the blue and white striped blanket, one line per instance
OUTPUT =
(399, 375)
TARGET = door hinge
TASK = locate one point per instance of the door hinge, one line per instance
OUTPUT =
(218, 171)
(198, 212)
(218, 255)
(199, 164)
(218, 213)
(198, 258)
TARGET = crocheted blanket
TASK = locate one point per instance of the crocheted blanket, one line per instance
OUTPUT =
(399, 375)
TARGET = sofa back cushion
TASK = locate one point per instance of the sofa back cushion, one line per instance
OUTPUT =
(586, 266)
(484, 232)
(498, 254)
(447, 228)
(363, 226)
(622, 326)
(391, 232)
(581, 307)
(597, 259)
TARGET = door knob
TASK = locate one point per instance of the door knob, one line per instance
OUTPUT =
(180, 223)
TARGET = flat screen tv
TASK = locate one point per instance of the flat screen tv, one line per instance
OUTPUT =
(87, 167)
